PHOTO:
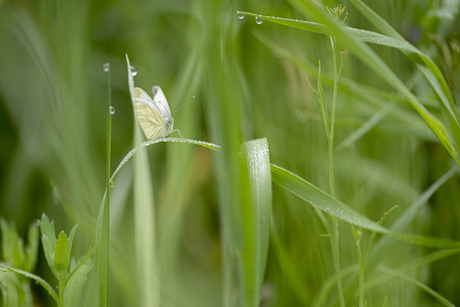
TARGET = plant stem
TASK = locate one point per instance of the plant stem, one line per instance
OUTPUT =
(106, 220)
(330, 138)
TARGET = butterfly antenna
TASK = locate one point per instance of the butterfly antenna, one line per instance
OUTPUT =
(184, 104)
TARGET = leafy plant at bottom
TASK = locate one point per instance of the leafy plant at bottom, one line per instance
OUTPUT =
(71, 274)
(16, 288)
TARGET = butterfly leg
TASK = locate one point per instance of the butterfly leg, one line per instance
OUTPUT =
(177, 130)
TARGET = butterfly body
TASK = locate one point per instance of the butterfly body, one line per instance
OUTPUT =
(154, 114)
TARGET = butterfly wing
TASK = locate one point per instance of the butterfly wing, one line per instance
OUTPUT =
(149, 115)
(159, 99)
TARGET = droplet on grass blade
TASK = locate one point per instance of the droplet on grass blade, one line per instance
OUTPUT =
(112, 110)
(133, 70)
(106, 67)
(240, 15)
(111, 184)
(259, 20)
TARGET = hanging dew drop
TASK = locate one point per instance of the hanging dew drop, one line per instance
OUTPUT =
(240, 15)
(106, 67)
(111, 184)
(133, 71)
(259, 20)
(112, 110)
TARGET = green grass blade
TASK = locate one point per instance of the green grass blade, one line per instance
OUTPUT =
(366, 127)
(354, 39)
(432, 292)
(370, 96)
(334, 207)
(322, 200)
(257, 217)
(106, 219)
(131, 153)
(144, 217)
(428, 68)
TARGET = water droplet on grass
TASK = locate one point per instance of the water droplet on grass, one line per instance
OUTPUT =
(106, 67)
(112, 110)
(133, 71)
(259, 20)
(111, 184)
(240, 15)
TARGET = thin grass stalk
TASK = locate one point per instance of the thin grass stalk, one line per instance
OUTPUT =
(106, 221)
(330, 138)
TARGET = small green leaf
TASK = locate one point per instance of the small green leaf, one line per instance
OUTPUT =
(31, 250)
(75, 284)
(72, 236)
(12, 244)
(48, 241)
(62, 256)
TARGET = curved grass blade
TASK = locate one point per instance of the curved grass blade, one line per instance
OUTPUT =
(354, 39)
(328, 204)
(427, 67)
(322, 200)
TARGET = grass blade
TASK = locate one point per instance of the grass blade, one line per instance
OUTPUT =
(144, 221)
(336, 208)
(257, 217)
(354, 39)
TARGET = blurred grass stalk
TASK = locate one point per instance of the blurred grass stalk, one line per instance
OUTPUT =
(144, 216)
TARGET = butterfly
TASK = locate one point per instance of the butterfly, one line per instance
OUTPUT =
(154, 114)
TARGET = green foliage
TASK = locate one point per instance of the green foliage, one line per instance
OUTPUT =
(16, 289)
(182, 225)
(71, 275)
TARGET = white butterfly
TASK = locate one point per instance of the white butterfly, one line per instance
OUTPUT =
(154, 114)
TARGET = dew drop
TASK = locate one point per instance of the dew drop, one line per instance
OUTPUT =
(133, 70)
(106, 67)
(193, 97)
(111, 184)
(37, 223)
(259, 20)
(112, 110)
(240, 15)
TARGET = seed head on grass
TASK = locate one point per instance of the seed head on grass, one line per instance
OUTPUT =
(337, 11)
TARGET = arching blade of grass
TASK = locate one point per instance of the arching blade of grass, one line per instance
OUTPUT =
(393, 40)
(322, 200)
(427, 67)
(256, 217)
(334, 207)
(354, 39)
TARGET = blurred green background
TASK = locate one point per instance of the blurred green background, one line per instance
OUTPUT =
(53, 100)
